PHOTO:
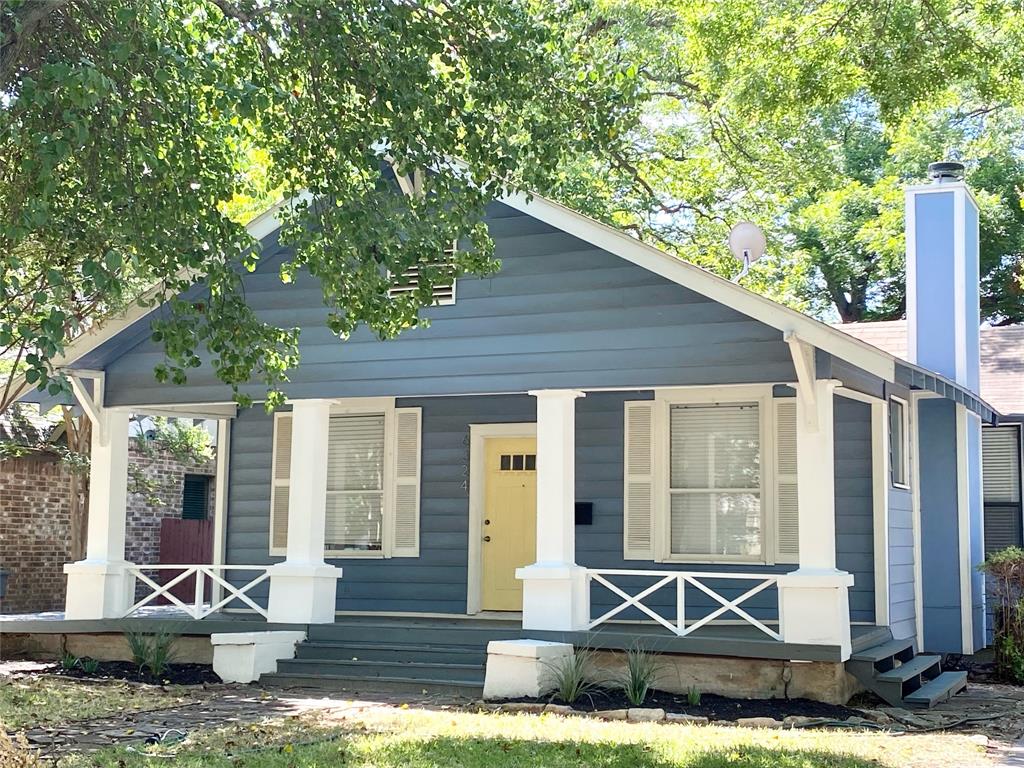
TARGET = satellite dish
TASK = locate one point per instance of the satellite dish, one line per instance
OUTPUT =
(747, 243)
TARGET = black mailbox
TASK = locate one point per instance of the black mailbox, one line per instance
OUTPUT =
(584, 513)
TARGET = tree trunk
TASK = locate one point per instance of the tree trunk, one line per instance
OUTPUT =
(79, 437)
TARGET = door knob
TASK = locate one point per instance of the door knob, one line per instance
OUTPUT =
(487, 538)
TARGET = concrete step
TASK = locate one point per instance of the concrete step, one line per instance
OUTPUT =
(355, 686)
(461, 674)
(392, 652)
(943, 687)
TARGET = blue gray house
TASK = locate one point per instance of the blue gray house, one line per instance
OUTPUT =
(600, 444)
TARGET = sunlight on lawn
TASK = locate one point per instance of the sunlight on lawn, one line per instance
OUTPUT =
(388, 738)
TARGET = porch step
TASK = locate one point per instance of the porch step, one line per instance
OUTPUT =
(893, 670)
(389, 652)
(394, 654)
(463, 674)
(916, 667)
(359, 685)
(419, 633)
(944, 687)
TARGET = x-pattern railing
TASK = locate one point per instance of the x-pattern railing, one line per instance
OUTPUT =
(199, 608)
(683, 579)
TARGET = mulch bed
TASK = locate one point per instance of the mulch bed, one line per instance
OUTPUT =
(715, 707)
(175, 674)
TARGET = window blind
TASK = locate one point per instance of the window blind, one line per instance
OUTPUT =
(715, 480)
(355, 483)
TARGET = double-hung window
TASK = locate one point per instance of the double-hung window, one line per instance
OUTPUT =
(715, 494)
(355, 484)
(710, 475)
(372, 491)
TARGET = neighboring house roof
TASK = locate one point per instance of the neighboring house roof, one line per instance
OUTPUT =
(1002, 358)
(867, 357)
(23, 424)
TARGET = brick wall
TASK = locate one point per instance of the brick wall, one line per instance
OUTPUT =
(35, 522)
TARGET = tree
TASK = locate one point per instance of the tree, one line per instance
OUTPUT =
(809, 117)
(128, 131)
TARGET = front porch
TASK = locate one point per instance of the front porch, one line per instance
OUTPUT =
(794, 610)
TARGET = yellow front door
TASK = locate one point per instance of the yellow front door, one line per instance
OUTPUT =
(510, 520)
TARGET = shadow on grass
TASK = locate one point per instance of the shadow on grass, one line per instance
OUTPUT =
(520, 753)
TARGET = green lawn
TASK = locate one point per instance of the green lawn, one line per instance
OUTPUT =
(418, 739)
(38, 699)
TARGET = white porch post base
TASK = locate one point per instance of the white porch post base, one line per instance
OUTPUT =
(302, 594)
(554, 597)
(814, 608)
(242, 657)
(518, 668)
(98, 590)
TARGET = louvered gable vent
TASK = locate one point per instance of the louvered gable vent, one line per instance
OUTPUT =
(444, 290)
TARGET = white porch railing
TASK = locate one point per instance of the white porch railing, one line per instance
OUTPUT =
(199, 608)
(684, 579)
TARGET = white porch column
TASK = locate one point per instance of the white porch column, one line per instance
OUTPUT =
(303, 587)
(554, 588)
(813, 600)
(99, 587)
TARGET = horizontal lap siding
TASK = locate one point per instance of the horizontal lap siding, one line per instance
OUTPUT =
(902, 606)
(559, 313)
(855, 504)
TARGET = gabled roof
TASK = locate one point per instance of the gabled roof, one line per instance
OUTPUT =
(1002, 358)
(869, 358)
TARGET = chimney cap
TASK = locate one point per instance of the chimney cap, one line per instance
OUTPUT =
(945, 171)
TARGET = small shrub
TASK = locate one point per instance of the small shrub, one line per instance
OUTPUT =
(161, 653)
(641, 671)
(90, 666)
(570, 676)
(138, 645)
(15, 752)
(1005, 572)
(152, 652)
(693, 696)
(68, 661)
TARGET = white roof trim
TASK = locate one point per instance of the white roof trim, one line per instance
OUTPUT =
(789, 321)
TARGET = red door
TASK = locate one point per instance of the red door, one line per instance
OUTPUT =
(185, 542)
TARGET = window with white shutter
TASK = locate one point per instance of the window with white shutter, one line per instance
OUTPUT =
(711, 480)
(444, 285)
(715, 481)
(638, 486)
(787, 519)
(1001, 475)
(373, 483)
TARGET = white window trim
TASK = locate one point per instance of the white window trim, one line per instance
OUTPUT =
(352, 407)
(905, 444)
(664, 399)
